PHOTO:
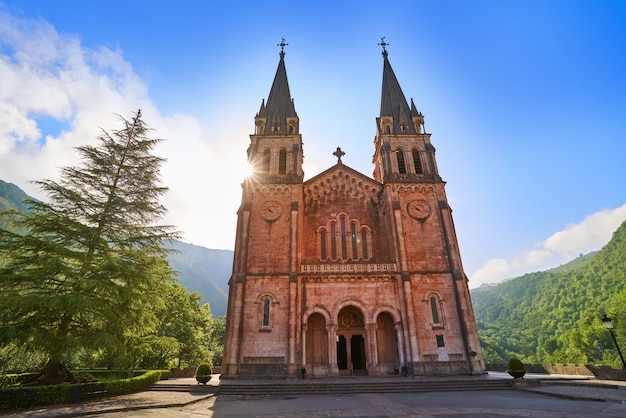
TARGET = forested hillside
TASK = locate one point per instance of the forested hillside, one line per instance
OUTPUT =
(200, 269)
(553, 316)
(205, 271)
(11, 197)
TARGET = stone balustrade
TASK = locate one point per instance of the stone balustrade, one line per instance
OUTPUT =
(349, 268)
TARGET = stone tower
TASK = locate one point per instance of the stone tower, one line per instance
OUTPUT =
(346, 274)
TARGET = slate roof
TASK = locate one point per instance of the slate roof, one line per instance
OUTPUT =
(392, 101)
(279, 104)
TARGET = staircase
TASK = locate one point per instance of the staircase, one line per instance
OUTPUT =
(365, 385)
(338, 385)
(169, 387)
(164, 386)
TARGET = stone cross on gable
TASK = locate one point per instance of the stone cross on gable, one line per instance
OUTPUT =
(339, 153)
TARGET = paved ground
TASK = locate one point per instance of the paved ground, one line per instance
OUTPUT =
(556, 398)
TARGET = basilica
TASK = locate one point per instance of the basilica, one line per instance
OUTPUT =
(344, 273)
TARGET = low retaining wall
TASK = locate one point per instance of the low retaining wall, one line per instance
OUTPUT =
(601, 372)
(191, 372)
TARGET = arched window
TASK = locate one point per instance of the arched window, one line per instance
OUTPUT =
(364, 243)
(435, 310)
(266, 312)
(417, 161)
(401, 163)
(265, 162)
(282, 162)
(333, 241)
(355, 239)
(344, 240)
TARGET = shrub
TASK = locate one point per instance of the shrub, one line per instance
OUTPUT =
(133, 384)
(204, 369)
(63, 393)
(90, 375)
(516, 365)
(52, 394)
(13, 379)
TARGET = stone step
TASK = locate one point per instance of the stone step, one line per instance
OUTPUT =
(183, 388)
(320, 387)
(169, 388)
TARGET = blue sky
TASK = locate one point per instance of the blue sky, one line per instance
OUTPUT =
(525, 100)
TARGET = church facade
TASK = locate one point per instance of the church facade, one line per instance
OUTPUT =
(347, 274)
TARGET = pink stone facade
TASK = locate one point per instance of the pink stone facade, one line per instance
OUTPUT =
(345, 274)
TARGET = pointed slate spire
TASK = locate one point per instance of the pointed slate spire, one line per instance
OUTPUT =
(393, 104)
(274, 113)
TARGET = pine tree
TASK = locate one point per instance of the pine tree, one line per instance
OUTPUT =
(87, 272)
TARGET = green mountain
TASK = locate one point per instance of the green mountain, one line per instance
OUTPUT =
(12, 197)
(553, 316)
(199, 269)
(204, 271)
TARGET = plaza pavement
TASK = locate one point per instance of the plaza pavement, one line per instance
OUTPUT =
(558, 396)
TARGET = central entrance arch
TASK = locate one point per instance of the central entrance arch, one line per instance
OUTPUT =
(351, 354)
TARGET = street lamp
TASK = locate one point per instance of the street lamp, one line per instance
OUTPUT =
(608, 323)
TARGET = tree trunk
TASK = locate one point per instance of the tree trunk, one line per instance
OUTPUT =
(55, 373)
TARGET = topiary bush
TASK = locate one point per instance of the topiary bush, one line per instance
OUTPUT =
(204, 369)
(516, 368)
(516, 365)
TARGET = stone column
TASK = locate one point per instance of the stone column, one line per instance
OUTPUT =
(400, 338)
(372, 352)
(305, 328)
(295, 317)
(333, 369)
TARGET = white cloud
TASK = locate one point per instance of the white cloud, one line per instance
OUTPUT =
(588, 235)
(52, 75)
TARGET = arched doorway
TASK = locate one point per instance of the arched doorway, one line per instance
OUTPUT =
(316, 345)
(387, 343)
(351, 355)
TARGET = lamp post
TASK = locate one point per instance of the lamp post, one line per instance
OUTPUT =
(608, 323)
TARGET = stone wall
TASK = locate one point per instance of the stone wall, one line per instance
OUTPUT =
(191, 372)
(601, 372)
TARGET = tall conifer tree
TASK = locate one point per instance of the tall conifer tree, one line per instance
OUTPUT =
(89, 267)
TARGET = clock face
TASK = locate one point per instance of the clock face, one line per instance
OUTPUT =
(418, 209)
(271, 210)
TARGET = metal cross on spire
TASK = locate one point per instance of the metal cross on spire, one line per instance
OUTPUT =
(339, 153)
(383, 44)
(282, 46)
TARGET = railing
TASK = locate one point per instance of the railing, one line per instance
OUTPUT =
(349, 268)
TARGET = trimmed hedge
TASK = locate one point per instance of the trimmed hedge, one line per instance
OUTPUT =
(134, 384)
(103, 374)
(13, 379)
(65, 393)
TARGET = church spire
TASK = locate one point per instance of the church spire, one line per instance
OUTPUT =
(403, 151)
(278, 115)
(276, 145)
(395, 114)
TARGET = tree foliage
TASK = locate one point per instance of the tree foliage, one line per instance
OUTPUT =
(89, 270)
(553, 316)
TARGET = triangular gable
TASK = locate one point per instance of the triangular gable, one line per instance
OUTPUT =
(334, 170)
(340, 182)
